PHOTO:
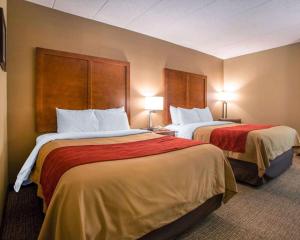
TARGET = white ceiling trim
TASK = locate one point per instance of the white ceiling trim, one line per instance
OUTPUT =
(222, 28)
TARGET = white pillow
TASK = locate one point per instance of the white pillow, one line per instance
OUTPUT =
(204, 114)
(187, 116)
(112, 120)
(76, 121)
(174, 115)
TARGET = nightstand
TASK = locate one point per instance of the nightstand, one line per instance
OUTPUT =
(235, 120)
(164, 131)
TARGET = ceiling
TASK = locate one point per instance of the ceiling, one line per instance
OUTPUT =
(222, 28)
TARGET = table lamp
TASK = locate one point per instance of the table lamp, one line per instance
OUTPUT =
(225, 97)
(153, 104)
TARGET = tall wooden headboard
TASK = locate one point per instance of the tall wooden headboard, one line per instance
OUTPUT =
(75, 81)
(183, 89)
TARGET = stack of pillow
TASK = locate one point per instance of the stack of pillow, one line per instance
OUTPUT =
(91, 120)
(182, 116)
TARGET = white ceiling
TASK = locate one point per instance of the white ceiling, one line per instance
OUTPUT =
(222, 28)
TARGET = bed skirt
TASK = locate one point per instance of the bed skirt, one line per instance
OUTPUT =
(173, 229)
(246, 172)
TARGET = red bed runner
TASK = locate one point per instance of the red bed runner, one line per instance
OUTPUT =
(234, 138)
(62, 159)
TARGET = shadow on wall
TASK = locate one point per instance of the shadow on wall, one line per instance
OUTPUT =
(252, 103)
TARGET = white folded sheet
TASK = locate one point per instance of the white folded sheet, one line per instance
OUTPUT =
(187, 130)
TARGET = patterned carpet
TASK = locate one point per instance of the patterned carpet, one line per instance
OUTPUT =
(269, 212)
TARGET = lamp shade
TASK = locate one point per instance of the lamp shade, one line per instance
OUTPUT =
(225, 96)
(154, 103)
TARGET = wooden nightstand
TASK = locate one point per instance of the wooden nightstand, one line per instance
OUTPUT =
(164, 131)
(235, 120)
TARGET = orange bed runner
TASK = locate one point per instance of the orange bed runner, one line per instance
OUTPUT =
(62, 159)
(234, 138)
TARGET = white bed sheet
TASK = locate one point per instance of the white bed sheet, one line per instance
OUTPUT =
(187, 130)
(45, 138)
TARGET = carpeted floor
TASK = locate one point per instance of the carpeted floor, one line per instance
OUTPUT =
(269, 212)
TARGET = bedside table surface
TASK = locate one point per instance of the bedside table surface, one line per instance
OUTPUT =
(163, 131)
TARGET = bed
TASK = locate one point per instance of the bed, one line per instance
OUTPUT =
(265, 152)
(110, 182)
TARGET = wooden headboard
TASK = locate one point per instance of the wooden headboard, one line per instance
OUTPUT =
(75, 81)
(183, 89)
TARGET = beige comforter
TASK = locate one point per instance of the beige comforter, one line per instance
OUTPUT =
(127, 199)
(262, 146)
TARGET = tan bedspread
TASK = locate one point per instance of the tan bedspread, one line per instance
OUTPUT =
(262, 146)
(127, 199)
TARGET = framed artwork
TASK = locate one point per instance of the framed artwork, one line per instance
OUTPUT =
(3, 41)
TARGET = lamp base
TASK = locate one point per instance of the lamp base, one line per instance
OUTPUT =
(224, 110)
(149, 119)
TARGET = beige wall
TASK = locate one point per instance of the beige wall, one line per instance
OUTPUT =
(33, 26)
(267, 85)
(3, 130)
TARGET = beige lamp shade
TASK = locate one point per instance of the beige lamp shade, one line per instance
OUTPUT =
(154, 103)
(225, 96)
